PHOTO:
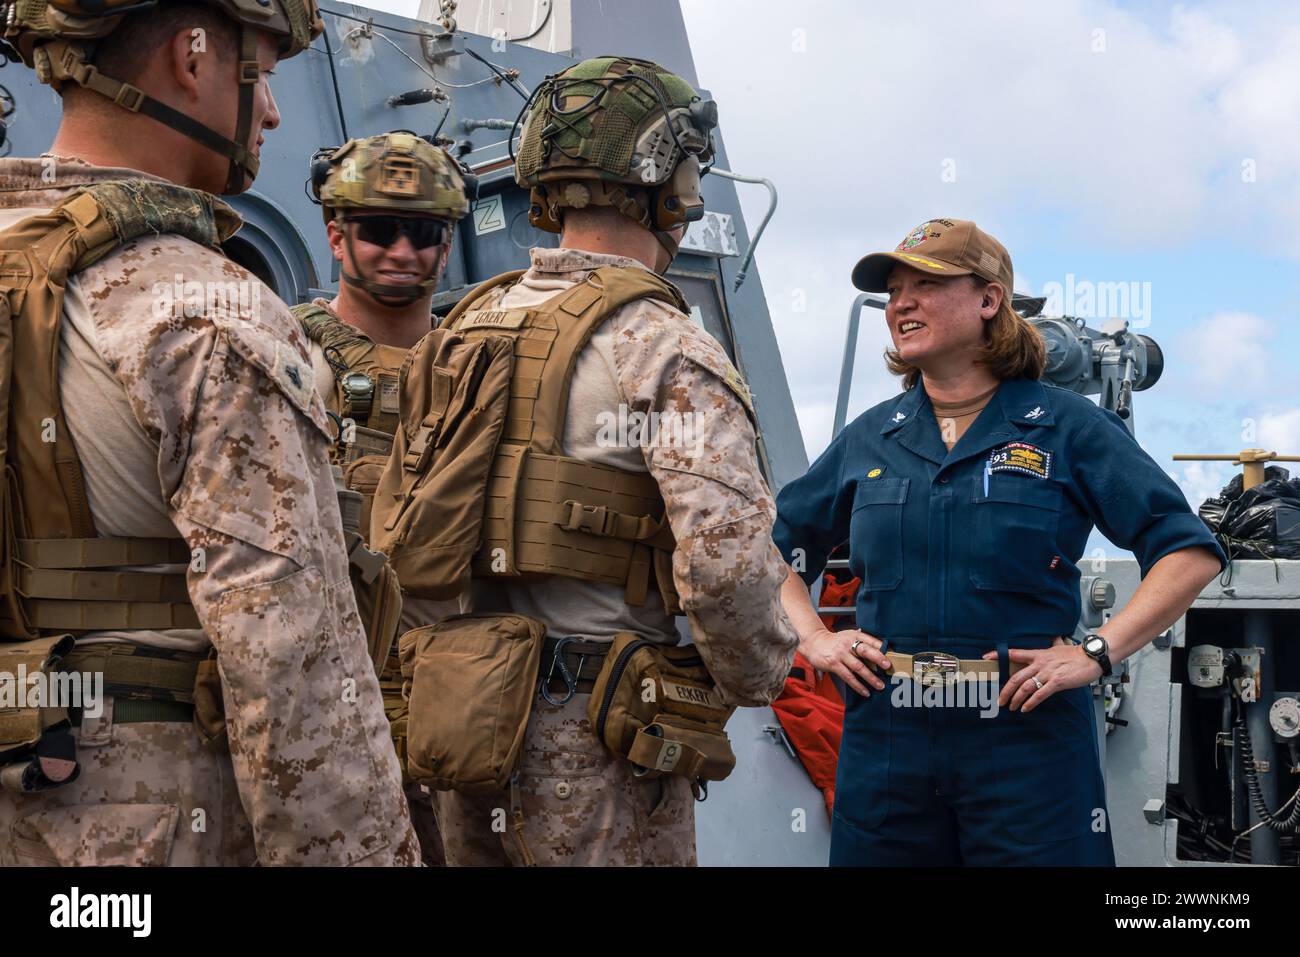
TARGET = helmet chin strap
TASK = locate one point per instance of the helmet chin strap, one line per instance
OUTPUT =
(404, 294)
(669, 243)
(66, 61)
(249, 73)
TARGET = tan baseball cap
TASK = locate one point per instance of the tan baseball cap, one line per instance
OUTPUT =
(944, 247)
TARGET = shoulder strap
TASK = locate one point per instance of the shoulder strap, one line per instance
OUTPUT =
(622, 285)
(606, 291)
(477, 293)
(311, 316)
(331, 332)
(133, 208)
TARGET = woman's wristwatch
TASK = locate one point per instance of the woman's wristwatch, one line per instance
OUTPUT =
(1095, 647)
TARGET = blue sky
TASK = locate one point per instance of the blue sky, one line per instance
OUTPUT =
(1142, 142)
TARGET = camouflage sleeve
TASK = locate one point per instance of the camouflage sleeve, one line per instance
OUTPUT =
(726, 568)
(228, 396)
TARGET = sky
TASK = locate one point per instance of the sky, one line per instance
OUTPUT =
(1151, 144)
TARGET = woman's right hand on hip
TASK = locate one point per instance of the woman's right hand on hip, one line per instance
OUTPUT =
(845, 654)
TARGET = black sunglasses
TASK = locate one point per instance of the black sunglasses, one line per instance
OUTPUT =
(384, 230)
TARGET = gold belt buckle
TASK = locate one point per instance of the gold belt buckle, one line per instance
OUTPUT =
(934, 668)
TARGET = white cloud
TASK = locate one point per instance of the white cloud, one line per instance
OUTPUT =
(1210, 43)
(1202, 480)
(1280, 432)
(1229, 348)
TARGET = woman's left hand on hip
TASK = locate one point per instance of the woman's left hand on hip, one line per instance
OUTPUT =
(1045, 672)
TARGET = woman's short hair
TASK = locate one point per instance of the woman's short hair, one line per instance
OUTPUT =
(1012, 348)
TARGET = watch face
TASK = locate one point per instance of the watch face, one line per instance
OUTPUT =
(358, 383)
(1094, 645)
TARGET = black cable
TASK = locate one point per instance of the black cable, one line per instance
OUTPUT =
(1195, 838)
(504, 79)
(414, 33)
(348, 16)
(510, 140)
(540, 27)
(1287, 825)
(445, 113)
(338, 99)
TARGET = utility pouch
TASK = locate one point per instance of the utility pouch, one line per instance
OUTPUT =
(209, 706)
(37, 749)
(659, 708)
(361, 474)
(374, 582)
(396, 708)
(379, 598)
(470, 681)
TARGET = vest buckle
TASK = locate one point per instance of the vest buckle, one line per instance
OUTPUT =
(592, 519)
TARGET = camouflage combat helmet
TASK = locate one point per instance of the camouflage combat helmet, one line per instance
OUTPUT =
(620, 132)
(57, 38)
(397, 173)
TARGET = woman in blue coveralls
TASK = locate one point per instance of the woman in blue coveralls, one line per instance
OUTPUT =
(967, 502)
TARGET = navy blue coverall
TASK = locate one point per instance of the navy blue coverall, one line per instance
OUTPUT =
(965, 552)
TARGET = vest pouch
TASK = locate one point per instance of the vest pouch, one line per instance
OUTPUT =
(397, 710)
(37, 749)
(379, 600)
(362, 475)
(659, 708)
(470, 681)
(676, 745)
(209, 705)
(429, 505)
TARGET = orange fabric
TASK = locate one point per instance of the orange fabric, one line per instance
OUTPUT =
(836, 595)
(811, 711)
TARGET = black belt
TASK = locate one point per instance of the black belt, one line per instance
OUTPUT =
(569, 666)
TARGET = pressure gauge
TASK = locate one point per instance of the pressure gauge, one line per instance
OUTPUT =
(1284, 717)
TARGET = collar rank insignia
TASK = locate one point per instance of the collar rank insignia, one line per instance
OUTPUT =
(1034, 413)
(899, 416)
(1022, 458)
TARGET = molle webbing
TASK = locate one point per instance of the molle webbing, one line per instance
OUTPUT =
(548, 513)
(368, 442)
(45, 504)
(137, 672)
(62, 588)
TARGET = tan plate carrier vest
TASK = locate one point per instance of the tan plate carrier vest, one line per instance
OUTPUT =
(547, 513)
(52, 577)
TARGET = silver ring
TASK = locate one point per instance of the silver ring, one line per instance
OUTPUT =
(1037, 682)
(854, 647)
